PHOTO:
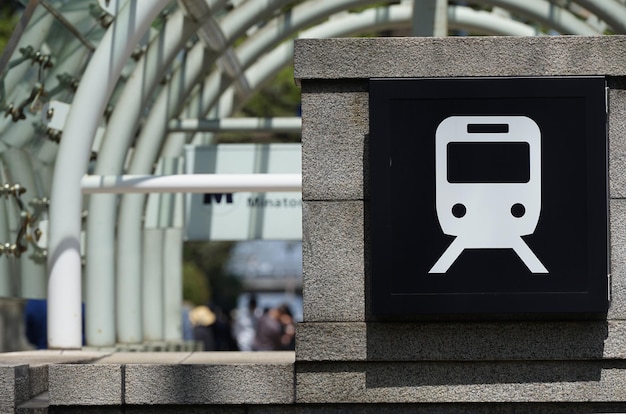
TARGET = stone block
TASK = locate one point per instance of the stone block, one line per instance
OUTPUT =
(446, 408)
(335, 124)
(467, 341)
(355, 58)
(85, 384)
(209, 384)
(467, 382)
(14, 386)
(331, 341)
(617, 218)
(617, 143)
(333, 261)
(38, 378)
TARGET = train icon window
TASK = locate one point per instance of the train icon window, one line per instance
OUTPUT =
(488, 185)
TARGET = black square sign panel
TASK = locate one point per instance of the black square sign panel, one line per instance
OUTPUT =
(488, 195)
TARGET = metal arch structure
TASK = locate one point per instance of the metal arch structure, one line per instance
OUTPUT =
(131, 207)
(242, 45)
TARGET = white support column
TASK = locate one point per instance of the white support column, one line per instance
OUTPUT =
(96, 86)
(132, 206)
(100, 324)
(430, 18)
(153, 284)
(173, 283)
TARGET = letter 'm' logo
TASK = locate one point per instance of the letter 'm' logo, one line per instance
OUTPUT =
(210, 198)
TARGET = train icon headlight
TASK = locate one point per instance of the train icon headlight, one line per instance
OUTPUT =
(488, 185)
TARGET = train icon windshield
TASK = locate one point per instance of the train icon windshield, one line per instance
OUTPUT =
(488, 185)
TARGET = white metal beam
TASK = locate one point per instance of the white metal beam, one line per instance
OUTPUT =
(191, 183)
(276, 124)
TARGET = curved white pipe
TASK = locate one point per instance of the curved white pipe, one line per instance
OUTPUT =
(611, 11)
(97, 83)
(546, 13)
(100, 327)
(168, 104)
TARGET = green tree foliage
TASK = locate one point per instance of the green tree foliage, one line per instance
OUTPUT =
(8, 19)
(209, 258)
(280, 97)
(196, 288)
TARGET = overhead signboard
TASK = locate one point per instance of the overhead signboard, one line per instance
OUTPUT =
(244, 216)
(488, 195)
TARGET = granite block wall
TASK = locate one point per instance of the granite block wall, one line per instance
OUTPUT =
(342, 354)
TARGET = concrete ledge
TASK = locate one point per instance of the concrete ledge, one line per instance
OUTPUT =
(476, 341)
(437, 382)
(209, 384)
(175, 378)
(23, 375)
(343, 408)
(85, 384)
(354, 58)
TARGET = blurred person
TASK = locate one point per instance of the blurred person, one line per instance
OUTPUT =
(272, 333)
(245, 325)
(187, 326)
(222, 330)
(202, 318)
(288, 340)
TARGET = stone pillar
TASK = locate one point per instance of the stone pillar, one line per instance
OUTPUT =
(342, 354)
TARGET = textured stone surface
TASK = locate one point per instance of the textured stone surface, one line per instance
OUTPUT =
(335, 123)
(209, 384)
(38, 379)
(356, 58)
(333, 261)
(24, 375)
(14, 385)
(617, 212)
(617, 142)
(331, 341)
(342, 408)
(458, 408)
(238, 358)
(85, 384)
(468, 341)
(122, 358)
(46, 357)
(435, 382)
